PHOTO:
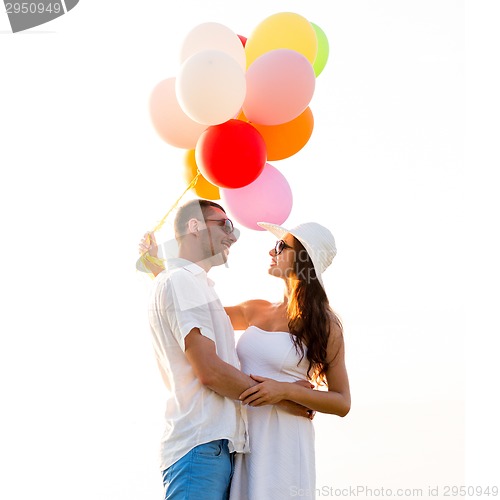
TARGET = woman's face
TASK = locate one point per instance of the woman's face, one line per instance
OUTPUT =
(282, 264)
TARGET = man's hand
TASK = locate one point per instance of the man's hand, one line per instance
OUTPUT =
(148, 248)
(148, 245)
(296, 409)
(305, 383)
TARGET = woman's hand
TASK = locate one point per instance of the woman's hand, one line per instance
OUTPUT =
(267, 392)
(270, 391)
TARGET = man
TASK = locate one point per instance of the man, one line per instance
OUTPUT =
(194, 345)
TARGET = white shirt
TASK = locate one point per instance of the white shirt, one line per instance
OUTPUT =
(183, 298)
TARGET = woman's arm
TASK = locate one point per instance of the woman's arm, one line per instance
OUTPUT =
(237, 316)
(336, 400)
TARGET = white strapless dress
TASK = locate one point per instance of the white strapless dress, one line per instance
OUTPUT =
(281, 462)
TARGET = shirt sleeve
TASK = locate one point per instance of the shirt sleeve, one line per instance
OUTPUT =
(185, 305)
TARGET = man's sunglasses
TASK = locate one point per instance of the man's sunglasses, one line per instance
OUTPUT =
(227, 224)
(280, 246)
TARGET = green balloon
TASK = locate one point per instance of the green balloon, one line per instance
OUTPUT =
(323, 50)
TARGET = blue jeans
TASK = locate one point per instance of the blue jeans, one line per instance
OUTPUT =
(205, 470)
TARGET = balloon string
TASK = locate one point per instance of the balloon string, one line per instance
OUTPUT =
(155, 260)
(191, 185)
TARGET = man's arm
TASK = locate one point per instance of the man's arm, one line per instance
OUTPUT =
(221, 377)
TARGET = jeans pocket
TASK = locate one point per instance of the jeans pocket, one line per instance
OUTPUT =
(211, 449)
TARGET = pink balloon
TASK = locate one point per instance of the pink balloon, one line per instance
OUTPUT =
(169, 121)
(280, 86)
(268, 198)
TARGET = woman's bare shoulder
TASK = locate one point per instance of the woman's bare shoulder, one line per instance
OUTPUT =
(336, 336)
(256, 304)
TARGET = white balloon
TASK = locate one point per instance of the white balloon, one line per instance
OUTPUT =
(213, 36)
(210, 87)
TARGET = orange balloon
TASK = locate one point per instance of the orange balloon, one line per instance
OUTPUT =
(286, 139)
(202, 188)
(242, 117)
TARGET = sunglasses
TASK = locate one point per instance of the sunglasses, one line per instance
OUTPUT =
(280, 246)
(227, 224)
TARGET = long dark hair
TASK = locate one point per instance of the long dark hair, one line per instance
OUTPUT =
(310, 316)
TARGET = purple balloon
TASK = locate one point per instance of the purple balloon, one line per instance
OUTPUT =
(268, 198)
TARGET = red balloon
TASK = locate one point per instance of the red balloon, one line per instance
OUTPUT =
(243, 39)
(231, 155)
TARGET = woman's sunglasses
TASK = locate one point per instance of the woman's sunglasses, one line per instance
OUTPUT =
(280, 246)
(227, 224)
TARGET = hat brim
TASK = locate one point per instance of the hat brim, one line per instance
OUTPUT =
(280, 232)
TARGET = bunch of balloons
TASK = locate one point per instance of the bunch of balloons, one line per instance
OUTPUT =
(238, 103)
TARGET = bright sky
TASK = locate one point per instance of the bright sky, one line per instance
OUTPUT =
(85, 175)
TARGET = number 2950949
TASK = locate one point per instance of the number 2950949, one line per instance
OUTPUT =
(32, 8)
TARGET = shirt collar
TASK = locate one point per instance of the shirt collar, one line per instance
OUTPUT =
(188, 265)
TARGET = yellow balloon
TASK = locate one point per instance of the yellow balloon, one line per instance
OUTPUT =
(284, 30)
(202, 188)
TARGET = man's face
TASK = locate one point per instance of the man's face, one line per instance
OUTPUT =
(216, 241)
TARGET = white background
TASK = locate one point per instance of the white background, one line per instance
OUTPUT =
(399, 167)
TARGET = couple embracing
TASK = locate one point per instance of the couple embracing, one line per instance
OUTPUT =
(238, 418)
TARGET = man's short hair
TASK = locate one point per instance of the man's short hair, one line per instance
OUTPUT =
(193, 209)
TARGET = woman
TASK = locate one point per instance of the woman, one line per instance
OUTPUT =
(296, 338)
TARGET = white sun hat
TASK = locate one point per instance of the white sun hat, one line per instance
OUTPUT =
(316, 239)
